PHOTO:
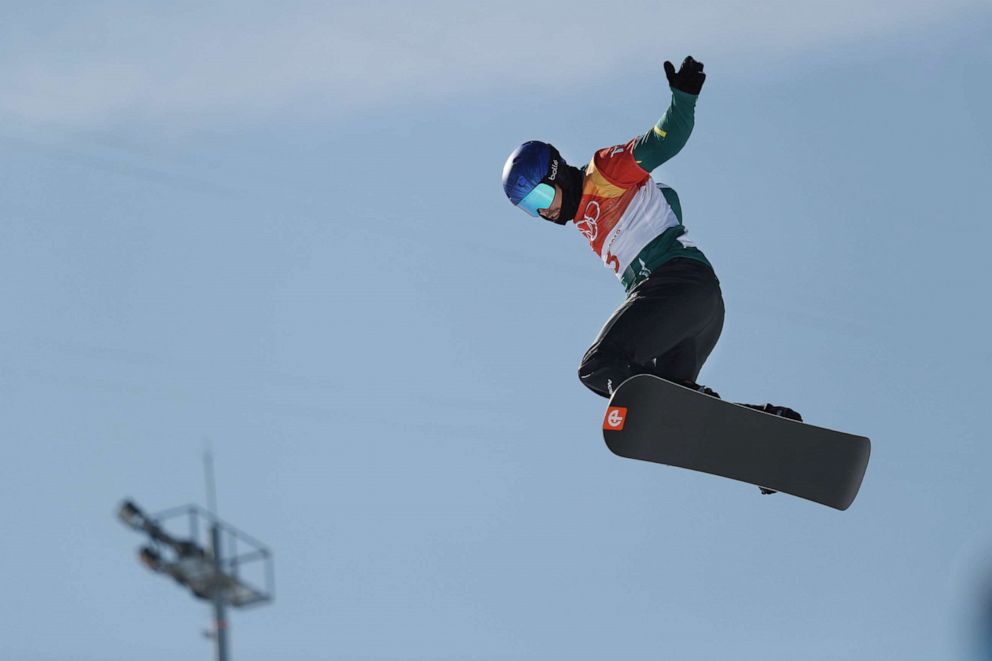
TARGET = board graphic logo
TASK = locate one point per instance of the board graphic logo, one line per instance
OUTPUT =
(615, 417)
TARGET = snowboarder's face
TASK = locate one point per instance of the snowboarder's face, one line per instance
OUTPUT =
(551, 213)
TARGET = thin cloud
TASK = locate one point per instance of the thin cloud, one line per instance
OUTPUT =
(211, 64)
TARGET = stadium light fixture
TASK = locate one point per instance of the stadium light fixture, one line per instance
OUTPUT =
(131, 515)
(233, 570)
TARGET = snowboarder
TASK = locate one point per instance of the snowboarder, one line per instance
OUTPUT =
(673, 314)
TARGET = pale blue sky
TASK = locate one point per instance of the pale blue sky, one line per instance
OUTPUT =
(282, 229)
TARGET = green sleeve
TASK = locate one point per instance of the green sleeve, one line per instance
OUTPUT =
(669, 135)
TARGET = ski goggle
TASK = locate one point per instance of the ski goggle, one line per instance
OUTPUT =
(540, 198)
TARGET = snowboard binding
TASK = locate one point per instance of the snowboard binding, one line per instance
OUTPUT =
(781, 411)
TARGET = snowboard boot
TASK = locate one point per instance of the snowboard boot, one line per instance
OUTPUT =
(782, 411)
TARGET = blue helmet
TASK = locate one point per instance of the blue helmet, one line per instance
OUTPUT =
(530, 174)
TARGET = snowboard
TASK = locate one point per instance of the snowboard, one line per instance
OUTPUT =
(651, 419)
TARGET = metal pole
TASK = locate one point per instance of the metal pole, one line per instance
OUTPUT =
(219, 597)
(208, 469)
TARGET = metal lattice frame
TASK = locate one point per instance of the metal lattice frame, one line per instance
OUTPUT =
(241, 576)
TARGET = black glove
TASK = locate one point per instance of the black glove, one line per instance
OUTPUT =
(690, 76)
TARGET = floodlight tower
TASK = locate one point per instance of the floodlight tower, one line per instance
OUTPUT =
(214, 574)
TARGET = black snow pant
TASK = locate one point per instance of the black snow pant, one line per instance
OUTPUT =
(668, 326)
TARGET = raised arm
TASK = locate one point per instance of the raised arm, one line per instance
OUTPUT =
(672, 131)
